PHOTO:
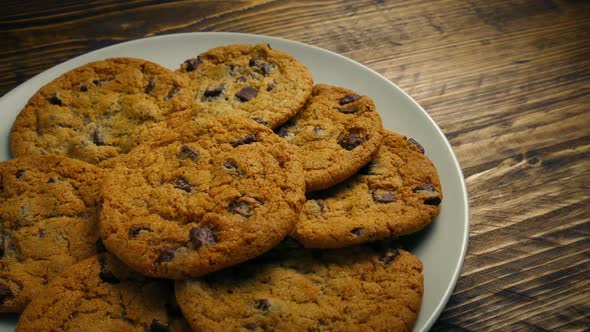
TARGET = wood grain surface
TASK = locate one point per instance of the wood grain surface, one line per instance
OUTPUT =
(507, 81)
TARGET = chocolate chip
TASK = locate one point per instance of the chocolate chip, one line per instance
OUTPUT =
(418, 145)
(358, 231)
(103, 81)
(242, 208)
(351, 139)
(84, 87)
(260, 120)
(214, 91)
(349, 110)
(242, 79)
(157, 326)
(2, 245)
(151, 85)
(97, 137)
(262, 304)
(182, 184)
(41, 233)
(51, 180)
(266, 68)
(172, 93)
(247, 93)
(249, 138)
(271, 86)
(317, 130)
(192, 64)
(55, 99)
(166, 255)
(20, 173)
(254, 62)
(100, 246)
(363, 276)
(232, 66)
(432, 201)
(202, 237)
(232, 167)
(251, 327)
(429, 188)
(383, 196)
(134, 231)
(349, 99)
(5, 293)
(429, 193)
(389, 256)
(320, 204)
(104, 274)
(283, 132)
(187, 152)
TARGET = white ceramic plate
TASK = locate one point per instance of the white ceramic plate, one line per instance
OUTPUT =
(441, 247)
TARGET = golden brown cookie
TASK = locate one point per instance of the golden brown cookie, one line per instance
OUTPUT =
(48, 221)
(98, 111)
(337, 133)
(102, 294)
(253, 81)
(363, 288)
(397, 193)
(211, 194)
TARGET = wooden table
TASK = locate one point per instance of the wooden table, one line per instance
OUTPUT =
(507, 81)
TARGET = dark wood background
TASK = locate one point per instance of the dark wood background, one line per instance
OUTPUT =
(507, 81)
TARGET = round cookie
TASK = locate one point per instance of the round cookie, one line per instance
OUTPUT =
(102, 294)
(363, 288)
(337, 133)
(397, 193)
(98, 111)
(48, 221)
(211, 194)
(253, 81)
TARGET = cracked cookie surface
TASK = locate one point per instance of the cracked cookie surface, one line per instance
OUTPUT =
(336, 133)
(102, 294)
(396, 193)
(210, 194)
(252, 81)
(48, 221)
(99, 111)
(372, 287)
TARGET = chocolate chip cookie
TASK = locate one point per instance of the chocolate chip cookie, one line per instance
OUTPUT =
(98, 111)
(212, 193)
(48, 221)
(337, 132)
(253, 81)
(102, 294)
(397, 193)
(363, 288)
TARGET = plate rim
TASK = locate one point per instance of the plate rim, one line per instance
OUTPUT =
(431, 320)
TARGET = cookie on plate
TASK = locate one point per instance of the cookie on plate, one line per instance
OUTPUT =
(397, 193)
(211, 194)
(362, 288)
(99, 111)
(337, 133)
(48, 221)
(253, 81)
(102, 294)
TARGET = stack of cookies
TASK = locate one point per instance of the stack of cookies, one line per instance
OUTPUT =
(230, 194)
